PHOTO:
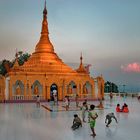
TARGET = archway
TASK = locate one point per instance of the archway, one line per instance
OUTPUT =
(87, 88)
(71, 88)
(53, 91)
(18, 88)
(36, 88)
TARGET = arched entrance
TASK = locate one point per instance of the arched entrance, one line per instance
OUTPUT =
(87, 88)
(37, 89)
(53, 90)
(72, 88)
(18, 90)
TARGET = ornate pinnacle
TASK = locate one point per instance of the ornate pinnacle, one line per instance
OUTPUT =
(45, 10)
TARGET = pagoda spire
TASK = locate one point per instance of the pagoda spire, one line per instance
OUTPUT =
(81, 58)
(44, 38)
(81, 68)
(44, 31)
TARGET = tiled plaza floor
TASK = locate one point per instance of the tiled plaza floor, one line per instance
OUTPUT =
(27, 122)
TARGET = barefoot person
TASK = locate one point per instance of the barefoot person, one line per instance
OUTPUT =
(84, 109)
(76, 100)
(76, 122)
(66, 102)
(92, 119)
(109, 117)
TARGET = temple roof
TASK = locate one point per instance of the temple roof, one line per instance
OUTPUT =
(44, 59)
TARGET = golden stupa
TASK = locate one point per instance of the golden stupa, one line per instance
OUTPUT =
(45, 72)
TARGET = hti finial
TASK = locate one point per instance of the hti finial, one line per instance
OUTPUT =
(81, 57)
(45, 10)
(45, 4)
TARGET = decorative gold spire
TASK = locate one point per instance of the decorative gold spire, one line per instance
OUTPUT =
(45, 23)
(44, 44)
(81, 68)
(44, 59)
(81, 58)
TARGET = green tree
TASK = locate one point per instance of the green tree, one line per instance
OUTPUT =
(6, 65)
(110, 87)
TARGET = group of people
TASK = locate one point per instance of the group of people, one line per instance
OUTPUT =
(67, 101)
(92, 116)
(124, 108)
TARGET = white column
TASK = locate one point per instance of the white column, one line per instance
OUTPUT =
(7, 88)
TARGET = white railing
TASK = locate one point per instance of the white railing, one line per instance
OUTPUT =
(22, 97)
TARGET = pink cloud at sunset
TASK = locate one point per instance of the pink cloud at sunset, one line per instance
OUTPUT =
(133, 67)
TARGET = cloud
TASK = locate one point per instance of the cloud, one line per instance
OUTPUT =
(133, 67)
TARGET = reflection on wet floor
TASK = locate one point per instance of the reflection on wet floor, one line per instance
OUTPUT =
(26, 121)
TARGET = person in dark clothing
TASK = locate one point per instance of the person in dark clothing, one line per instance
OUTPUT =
(109, 117)
(76, 122)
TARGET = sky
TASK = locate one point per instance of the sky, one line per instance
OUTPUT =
(107, 32)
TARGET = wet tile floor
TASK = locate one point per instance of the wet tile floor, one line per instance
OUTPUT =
(25, 121)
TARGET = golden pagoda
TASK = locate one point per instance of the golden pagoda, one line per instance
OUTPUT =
(45, 72)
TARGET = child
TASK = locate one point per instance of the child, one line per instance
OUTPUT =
(55, 97)
(86, 104)
(76, 100)
(76, 122)
(109, 117)
(100, 106)
(66, 103)
(118, 108)
(84, 109)
(92, 119)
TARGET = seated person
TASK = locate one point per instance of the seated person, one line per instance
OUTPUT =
(118, 108)
(100, 105)
(76, 122)
(125, 108)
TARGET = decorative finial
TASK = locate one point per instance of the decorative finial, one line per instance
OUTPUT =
(81, 57)
(45, 10)
(45, 5)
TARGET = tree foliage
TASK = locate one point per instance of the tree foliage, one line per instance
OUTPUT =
(6, 65)
(110, 87)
